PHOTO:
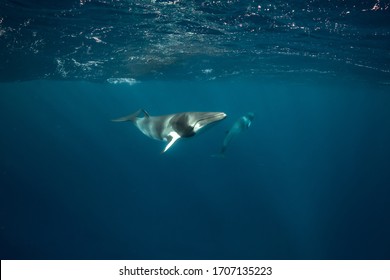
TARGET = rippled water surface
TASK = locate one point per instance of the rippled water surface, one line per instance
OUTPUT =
(102, 39)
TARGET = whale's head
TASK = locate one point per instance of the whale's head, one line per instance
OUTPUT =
(250, 116)
(189, 123)
(247, 120)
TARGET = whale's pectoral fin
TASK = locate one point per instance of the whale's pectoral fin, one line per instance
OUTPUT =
(128, 118)
(171, 138)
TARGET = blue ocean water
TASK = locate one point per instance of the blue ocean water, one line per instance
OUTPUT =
(310, 179)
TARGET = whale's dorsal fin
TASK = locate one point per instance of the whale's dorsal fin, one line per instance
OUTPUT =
(171, 138)
(128, 118)
(146, 113)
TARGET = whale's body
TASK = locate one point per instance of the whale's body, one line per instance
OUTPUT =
(172, 127)
(242, 124)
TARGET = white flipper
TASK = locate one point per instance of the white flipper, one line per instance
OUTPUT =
(172, 138)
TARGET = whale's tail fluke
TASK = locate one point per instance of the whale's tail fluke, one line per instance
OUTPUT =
(221, 154)
(218, 155)
(129, 118)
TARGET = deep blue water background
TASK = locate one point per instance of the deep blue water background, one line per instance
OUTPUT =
(310, 179)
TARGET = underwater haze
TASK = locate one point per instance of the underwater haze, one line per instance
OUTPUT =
(309, 179)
